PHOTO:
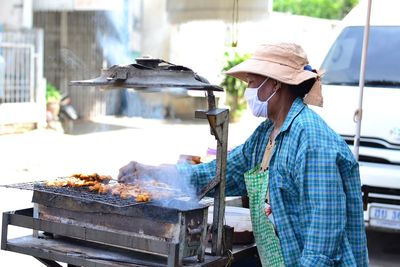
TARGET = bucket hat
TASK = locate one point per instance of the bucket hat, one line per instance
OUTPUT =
(284, 62)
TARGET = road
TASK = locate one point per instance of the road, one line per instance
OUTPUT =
(383, 249)
(107, 144)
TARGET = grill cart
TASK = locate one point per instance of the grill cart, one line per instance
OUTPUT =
(81, 228)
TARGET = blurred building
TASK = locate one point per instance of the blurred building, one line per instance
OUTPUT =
(22, 85)
(80, 37)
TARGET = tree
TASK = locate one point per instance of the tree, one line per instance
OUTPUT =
(327, 9)
(234, 88)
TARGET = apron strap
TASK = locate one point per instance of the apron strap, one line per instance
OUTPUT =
(267, 155)
(265, 162)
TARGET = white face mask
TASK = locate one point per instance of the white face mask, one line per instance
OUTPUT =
(257, 107)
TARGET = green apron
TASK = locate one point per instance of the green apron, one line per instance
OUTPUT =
(268, 245)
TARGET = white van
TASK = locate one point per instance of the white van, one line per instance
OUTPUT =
(380, 129)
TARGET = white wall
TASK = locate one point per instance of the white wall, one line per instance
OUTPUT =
(155, 39)
(200, 45)
(181, 11)
(75, 5)
(16, 14)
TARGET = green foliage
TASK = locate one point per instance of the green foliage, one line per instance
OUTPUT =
(328, 9)
(233, 87)
(52, 93)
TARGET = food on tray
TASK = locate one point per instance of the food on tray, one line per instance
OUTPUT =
(69, 181)
(144, 197)
(190, 159)
(80, 179)
(141, 191)
(92, 177)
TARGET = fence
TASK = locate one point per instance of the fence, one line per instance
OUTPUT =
(17, 73)
(22, 87)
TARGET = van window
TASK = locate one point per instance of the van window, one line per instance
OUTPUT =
(342, 63)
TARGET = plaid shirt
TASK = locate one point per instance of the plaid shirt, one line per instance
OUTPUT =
(315, 189)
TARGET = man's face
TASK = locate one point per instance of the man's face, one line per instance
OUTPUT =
(266, 90)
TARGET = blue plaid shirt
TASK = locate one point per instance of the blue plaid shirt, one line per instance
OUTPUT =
(315, 189)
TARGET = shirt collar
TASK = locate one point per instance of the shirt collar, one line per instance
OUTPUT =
(297, 106)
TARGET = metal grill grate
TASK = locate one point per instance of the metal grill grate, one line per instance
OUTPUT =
(84, 194)
(81, 193)
(23, 186)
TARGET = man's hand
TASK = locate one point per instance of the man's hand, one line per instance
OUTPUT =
(134, 170)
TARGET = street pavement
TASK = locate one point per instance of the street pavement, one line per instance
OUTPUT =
(104, 145)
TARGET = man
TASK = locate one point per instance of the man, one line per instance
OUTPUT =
(294, 161)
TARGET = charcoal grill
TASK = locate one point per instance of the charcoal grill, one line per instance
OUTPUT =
(157, 74)
(176, 229)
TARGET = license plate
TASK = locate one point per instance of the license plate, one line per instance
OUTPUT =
(384, 217)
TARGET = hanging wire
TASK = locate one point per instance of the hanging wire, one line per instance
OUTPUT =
(235, 20)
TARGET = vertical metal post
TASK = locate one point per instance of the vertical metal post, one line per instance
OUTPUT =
(221, 129)
(35, 233)
(64, 46)
(358, 115)
(173, 256)
(40, 82)
(202, 249)
(218, 120)
(17, 76)
(211, 100)
(219, 197)
(4, 231)
(2, 73)
(31, 75)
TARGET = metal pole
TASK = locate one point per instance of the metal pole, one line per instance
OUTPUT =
(358, 113)
(219, 197)
(4, 230)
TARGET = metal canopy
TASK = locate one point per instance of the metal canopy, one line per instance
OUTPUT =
(153, 74)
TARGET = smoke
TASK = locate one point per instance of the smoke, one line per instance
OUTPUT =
(163, 183)
(177, 186)
(71, 60)
(114, 37)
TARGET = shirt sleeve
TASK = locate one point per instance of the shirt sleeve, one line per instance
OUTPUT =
(238, 162)
(322, 205)
(200, 175)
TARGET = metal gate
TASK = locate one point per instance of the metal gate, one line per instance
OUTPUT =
(22, 87)
(17, 73)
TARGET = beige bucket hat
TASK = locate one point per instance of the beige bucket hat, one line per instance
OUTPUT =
(284, 62)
